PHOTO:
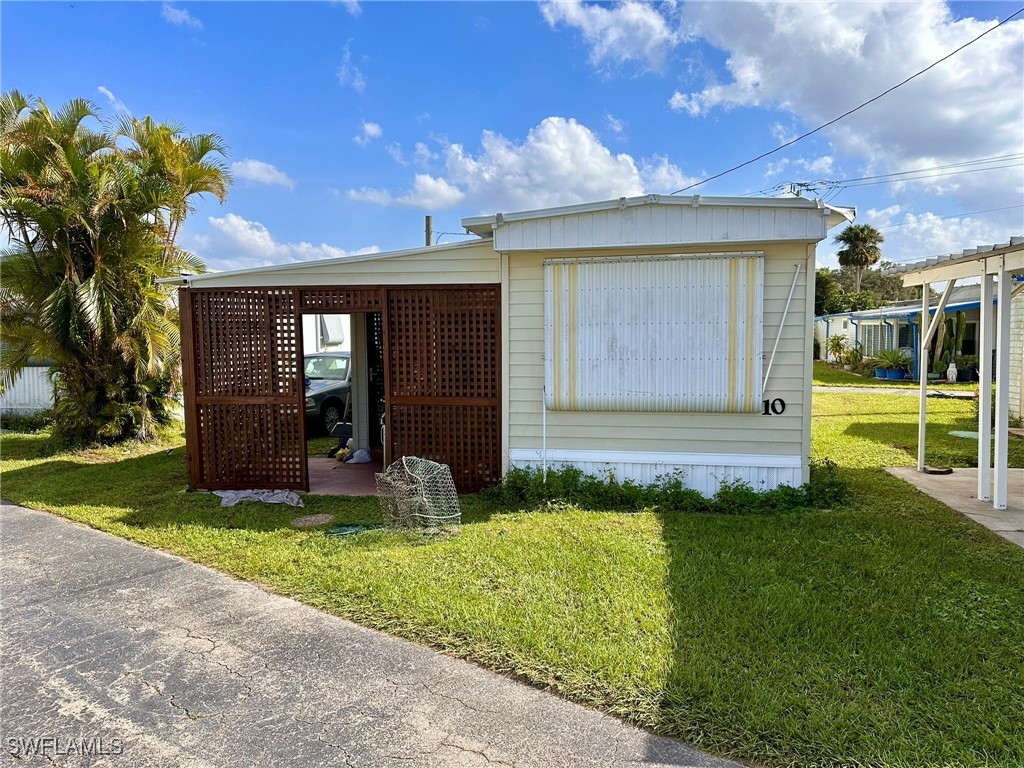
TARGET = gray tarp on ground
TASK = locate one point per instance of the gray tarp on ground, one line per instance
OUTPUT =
(230, 498)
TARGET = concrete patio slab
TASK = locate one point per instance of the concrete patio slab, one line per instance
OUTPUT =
(174, 664)
(959, 491)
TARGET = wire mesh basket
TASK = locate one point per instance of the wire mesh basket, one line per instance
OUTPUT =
(418, 493)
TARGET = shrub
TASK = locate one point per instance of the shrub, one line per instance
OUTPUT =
(34, 422)
(525, 488)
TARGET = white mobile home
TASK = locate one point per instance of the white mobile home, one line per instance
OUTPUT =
(640, 336)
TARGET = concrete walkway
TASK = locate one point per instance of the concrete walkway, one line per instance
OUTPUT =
(172, 664)
(959, 490)
(961, 394)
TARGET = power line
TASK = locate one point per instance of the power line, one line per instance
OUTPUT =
(851, 111)
(1013, 156)
(924, 178)
(891, 178)
(951, 216)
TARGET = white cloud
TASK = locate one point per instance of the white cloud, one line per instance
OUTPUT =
(116, 103)
(234, 243)
(352, 6)
(179, 17)
(615, 125)
(349, 75)
(966, 108)
(560, 162)
(422, 154)
(261, 173)
(371, 132)
(426, 192)
(820, 165)
(782, 133)
(628, 31)
(913, 236)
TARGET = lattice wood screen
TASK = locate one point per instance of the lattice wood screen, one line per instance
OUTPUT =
(443, 380)
(344, 300)
(244, 394)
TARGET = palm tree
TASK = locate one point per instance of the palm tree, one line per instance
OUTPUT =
(92, 226)
(860, 249)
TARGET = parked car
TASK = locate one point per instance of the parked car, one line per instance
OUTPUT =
(328, 383)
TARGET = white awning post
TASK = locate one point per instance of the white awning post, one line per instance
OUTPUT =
(985, 388)
(1002, 426)
(928, 328)
(544, 431)
(922, 375)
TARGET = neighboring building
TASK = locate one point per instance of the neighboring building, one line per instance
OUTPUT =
(897, 326)
(1017, 353)
(639, 337)
(326, 333)
(31, 392)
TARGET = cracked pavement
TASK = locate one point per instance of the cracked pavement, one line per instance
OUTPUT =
(104, 638)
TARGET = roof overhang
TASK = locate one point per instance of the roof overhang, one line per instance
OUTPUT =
(300, 266)
(484, 226)
(996, 259)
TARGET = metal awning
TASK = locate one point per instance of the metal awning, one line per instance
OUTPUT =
(996, 266)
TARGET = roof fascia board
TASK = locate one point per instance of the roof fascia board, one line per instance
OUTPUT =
(1009, 259)
(490, 222)
(299, 266)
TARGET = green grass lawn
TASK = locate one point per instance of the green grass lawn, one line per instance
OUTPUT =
(889, 632)
(826, 375)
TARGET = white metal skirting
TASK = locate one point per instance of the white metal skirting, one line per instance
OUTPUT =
(31, 392)
(703, 472)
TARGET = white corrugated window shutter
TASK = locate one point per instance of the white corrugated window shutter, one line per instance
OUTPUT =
(666, 333)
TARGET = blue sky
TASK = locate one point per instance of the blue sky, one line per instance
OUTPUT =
(347, 121)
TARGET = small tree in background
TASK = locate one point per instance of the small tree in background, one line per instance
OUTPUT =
(92, 216)
(860, 249)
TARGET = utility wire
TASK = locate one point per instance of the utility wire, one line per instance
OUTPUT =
(951, 216)
(889, 178)
(1014, 156)
(851, 111)
(931, 176)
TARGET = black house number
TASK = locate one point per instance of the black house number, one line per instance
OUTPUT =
(774, 407)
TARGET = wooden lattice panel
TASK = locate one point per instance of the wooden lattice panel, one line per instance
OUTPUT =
(345, 300)
(443, 379)
(465, 437)
(244, 393)
(250, 445)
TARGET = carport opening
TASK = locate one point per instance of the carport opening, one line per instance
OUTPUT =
(343, 359)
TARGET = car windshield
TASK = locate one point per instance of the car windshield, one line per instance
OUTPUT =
(327, 367)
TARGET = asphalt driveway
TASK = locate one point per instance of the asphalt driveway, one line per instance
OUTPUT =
(117, 655)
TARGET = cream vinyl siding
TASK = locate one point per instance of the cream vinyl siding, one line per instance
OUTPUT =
(736, 433)
(459, 264)
(654, 333)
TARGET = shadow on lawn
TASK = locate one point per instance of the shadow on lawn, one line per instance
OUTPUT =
(823, 635)
(943, 448)
(148, 491)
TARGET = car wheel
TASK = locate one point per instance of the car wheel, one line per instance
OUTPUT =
(330, 415)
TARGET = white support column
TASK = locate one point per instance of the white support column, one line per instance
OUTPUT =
(985, 335)
(922, 374)
(928, 327)
(1002, 387)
